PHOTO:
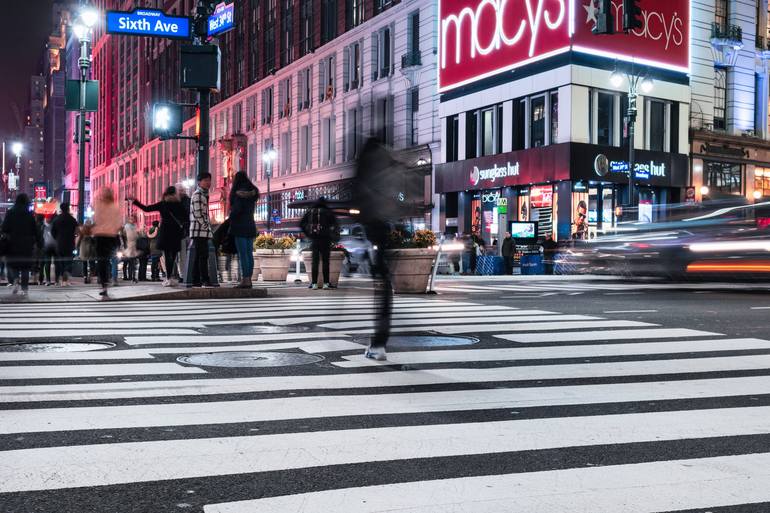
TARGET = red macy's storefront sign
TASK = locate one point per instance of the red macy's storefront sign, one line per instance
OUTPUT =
(480, 38)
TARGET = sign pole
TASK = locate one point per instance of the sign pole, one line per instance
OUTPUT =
(85, 63)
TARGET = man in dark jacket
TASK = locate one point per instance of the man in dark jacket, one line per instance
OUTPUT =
(320, 225)
(64, 229)
(507, 251)
(549, 253)
(21, 230)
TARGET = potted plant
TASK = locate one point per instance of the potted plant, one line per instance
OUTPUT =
(410, 259)
(274, 255)
(336, 258)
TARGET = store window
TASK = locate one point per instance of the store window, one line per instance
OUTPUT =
(605, 118)
(656, 133)
(519, 123)
(554, 117)
(452, 138)
(720, 98)
(484, 131)
(762, 180)
(724, 177)
(537, 122)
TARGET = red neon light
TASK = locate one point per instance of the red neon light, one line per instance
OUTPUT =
(480, 38)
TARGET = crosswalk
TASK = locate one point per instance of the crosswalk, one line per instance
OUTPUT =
(534, 411)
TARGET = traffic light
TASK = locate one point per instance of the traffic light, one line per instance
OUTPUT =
(76, 134)
(87, 130)
(632, 15)
(605, 22)
(166, 120)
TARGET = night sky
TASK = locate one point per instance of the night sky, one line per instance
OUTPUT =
(26, 26)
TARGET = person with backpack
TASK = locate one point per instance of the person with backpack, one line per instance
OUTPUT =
(171, 231)
(319, 224)
(242, 227)
(64, 229)
(21, 232)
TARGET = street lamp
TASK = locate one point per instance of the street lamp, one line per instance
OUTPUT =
(13, 179)
(635, 83)
(269, 157)
(86, 21)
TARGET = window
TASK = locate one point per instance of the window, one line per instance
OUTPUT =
(328, 20)
(382, 53)
(519, 124)
(326, 78)
(352, 134)
(352, 66)
(237, 119)
(487, 132)
(554, 118)
(381, 5)
(354, 13)
(305, 27)
(537, 122)
(327, 141)
(284, 97)
(267, 105)
(483, 131)
(413, 35)
(269, 38)
(720, 98)
(305, 148)
(412, 111)
(656, 114)
(721, 14)
(287, 32)
(723, 177)
(452, 138)
(286, 152)
(383, 120)
(304, 78)
(471, 135)
(605, 119)
(762, 180)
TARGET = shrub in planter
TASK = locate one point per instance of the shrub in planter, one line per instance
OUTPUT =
(410, 258)
(274, 255)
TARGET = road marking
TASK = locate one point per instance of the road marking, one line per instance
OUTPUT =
(636, 488)
(628, 311)
(82, 371)
(555, 352)
(53, 468)
(533, 326)
(426, 320)
(760, 307)
(58, 334)
(378, 380)
(229, 339)
(579, 336)
(264, 410)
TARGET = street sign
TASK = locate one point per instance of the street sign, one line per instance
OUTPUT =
(148, 22)
(72, 95)
(222, 20)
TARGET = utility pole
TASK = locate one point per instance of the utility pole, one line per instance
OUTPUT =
(202, 13)
(88, 18)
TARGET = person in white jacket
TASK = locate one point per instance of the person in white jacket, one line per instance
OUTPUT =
(130, 236)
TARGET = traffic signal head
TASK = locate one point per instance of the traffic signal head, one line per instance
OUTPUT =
(632, 15)
(76, 132)
(166, 120)
(87, 130)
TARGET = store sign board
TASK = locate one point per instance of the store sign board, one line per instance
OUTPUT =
(40, 191)
(642, 170)
(493, 173)
(541, 197)
(148, 22)
(481, 38)
(222, 20)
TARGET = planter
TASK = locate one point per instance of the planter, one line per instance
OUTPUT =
(274, 264)
(335, 266)
(231, 275)
(255, 274)
(410, 269)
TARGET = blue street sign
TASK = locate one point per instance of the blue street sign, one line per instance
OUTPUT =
(148, 22)
(222, 20)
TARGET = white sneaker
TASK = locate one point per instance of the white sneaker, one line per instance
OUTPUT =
(166, 283)
(375, 353)
(15, 289)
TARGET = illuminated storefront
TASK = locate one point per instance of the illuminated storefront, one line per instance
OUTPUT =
(532, 127)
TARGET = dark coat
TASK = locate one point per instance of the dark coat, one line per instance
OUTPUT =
(172, 223)
(63, 229)
(242, 208)
(508, 247)
(319, 223)
(21, 229)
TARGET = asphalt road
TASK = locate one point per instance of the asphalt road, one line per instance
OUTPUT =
(563, 395)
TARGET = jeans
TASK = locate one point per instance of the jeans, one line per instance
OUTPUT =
(20, 274)
(244, 246)
(200, 261)
(105, 246)
(113, 267)
(49, 258)
(142, 274)
(321, 248)
(508, 265)
(169, 258)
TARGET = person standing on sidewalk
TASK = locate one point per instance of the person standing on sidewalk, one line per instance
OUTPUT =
(20, 228)
(549, 253)
(183, 260)
(49, 252)
(171, 231)
(243, 229)
(87, 250)
(130, 253)
(105, 231)
(64, 229)
(200, 233)
(320, 225)
(506, 251)
(155, 252)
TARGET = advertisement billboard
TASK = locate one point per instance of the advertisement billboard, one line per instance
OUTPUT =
(481, 38)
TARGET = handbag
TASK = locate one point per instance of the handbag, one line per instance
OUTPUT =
(5, 244)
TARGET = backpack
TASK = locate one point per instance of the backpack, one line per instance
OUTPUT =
(315, 228)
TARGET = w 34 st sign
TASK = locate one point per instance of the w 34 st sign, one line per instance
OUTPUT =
(481, 38)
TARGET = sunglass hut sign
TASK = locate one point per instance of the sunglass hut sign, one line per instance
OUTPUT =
(481, 38)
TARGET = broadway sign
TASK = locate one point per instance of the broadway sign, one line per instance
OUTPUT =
(481, 38)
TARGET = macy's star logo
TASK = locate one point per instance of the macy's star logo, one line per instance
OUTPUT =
(592, 10)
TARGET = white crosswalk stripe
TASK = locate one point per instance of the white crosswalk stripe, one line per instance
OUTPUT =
(535, 381)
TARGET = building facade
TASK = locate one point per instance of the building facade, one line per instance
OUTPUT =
(307, 79)
(33, 156)
(533, 128)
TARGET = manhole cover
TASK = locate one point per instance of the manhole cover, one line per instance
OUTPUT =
(427, 341)
(54, 347)
(249, 359)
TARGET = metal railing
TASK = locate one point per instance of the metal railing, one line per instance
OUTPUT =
(728, 32)
(410, 59)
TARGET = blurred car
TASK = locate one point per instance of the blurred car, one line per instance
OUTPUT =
(359, 251)
(725, 242)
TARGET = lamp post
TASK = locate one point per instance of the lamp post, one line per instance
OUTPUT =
(88, 18)
(13, 185)
(269, 157)
(635, 83)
